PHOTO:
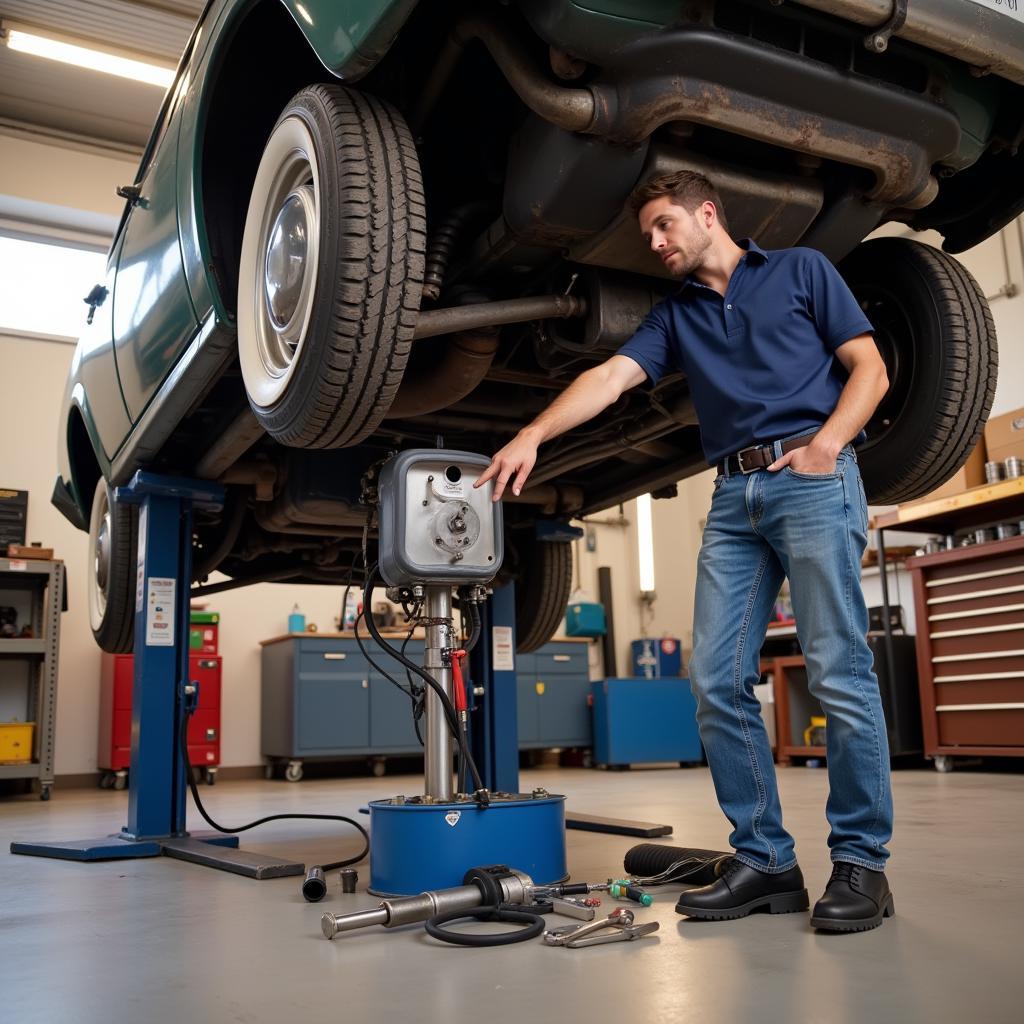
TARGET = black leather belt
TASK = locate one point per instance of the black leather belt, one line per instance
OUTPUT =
(761, 456)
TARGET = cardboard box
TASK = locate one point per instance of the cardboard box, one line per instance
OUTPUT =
(970, 474)
(31, 551)
(1004, 436)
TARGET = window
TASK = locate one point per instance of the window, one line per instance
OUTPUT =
(42, 286)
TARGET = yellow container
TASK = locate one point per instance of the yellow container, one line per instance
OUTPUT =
(16, 742)
(817, 722)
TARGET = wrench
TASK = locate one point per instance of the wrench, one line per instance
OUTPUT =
(618, 927)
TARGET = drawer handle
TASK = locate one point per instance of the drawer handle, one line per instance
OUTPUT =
(563, 657)
(978, 677)
(366, 683)
(207, 664)
(968, 613)
(969, 577)
(334, 656)
(978, 631)
(978, 656)
(980, 707)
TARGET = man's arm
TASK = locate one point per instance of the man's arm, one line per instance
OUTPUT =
(590, 393)
(860, 396)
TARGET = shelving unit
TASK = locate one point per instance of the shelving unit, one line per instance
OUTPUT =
(794, 703)
(28, 666)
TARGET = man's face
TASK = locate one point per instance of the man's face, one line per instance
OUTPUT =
(680, 239)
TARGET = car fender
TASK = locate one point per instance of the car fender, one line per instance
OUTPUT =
(74, 499)
(349, 38)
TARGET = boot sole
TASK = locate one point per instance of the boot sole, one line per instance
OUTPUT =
(778, 903)
(864, 924)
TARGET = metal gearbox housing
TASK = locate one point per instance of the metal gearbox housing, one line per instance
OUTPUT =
(434, 526)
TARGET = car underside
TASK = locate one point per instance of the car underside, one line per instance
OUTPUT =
(529, 125)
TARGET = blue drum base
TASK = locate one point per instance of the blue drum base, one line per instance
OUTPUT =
(415, 846)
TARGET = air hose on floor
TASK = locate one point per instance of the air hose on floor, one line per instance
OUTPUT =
(652, 864)
(190, 705)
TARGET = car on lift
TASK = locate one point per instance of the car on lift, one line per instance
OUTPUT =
(365, 226)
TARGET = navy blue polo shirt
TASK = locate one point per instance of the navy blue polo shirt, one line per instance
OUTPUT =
(760, 360)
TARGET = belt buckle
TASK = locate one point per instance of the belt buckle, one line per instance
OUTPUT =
(739, 460)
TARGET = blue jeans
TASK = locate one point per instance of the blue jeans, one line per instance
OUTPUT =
(812, 529)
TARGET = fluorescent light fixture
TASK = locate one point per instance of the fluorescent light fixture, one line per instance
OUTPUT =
(67, 52)
(645, 543)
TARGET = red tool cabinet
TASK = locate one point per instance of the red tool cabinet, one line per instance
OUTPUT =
(115, 733)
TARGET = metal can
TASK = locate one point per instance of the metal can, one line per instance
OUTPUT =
(983, 536)
(1005, 530)
(1011, 467)
(993, 472)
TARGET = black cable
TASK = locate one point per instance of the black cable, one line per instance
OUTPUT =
(476, 626)
(451, 715)
(500, 912)
(270, 817)
(366, 654)
(417, 691)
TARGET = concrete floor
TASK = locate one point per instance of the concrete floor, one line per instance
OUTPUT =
(160, 940)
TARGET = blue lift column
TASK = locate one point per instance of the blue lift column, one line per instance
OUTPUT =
(157, 782)
(495, 734)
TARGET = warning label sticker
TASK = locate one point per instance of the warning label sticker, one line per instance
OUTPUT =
(160, 612)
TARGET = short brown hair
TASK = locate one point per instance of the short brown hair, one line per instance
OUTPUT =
(687, 189)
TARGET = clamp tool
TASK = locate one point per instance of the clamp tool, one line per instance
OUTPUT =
(616, 927)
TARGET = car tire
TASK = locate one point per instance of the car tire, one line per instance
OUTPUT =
(113, 539)
(935, 332)
(332, 265)
(543, 586)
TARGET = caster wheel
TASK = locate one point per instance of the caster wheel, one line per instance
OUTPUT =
(588, 760)
(268, 771)
(943, 763)
(293, 773)
(120, 782)
(44, 793)
(211, 776)
(379, 768)
(107, 780)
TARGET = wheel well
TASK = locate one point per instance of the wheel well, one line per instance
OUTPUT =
(264, 63)
(85, 469)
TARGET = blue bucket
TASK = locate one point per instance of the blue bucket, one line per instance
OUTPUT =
(415, 847)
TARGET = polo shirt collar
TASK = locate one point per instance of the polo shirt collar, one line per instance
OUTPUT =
(748, 245)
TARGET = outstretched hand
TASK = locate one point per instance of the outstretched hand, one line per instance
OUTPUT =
(517, 457)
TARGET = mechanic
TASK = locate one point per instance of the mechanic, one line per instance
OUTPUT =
(784, 374)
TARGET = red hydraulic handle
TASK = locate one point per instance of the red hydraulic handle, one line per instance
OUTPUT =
(459, 685)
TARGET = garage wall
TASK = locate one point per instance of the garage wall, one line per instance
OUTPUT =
(31, 383)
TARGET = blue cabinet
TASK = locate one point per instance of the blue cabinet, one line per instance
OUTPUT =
(553, 688)
(645, 720)
(321, 698)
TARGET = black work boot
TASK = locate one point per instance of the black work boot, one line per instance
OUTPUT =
(856, 899)
(742, 889)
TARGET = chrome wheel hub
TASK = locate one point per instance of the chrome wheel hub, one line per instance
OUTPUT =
(284, 276)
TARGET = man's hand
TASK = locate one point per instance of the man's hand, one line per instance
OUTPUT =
(813, 460)
(519, 457)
